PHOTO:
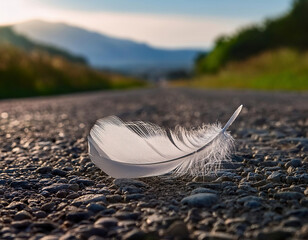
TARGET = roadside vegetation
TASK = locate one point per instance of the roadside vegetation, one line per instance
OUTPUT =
(31, 69)
(272, 55)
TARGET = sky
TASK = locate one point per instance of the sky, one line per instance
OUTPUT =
(160, 23)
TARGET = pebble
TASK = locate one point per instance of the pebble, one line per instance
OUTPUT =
(77, 216)
(203, 190)
(201, 200)
(56, 187)
(22, 215)
(89, 198)
(275, 177)
(289, 195)
(274, 234)
(48, 184)
(294, 163)
(107, 222)
(95, 207)
(44, 170)
(135, 196)
(134, 234)
(177, 230)
(122, 182)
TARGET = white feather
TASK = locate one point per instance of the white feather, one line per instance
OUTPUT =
(139, 149)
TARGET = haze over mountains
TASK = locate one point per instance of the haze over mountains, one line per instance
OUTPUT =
(104, 51)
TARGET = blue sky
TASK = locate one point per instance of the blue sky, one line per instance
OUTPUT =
(161, 23)
(248, 9)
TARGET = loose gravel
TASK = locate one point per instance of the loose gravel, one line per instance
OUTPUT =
(49, 189)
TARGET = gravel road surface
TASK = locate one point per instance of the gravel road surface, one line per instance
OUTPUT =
(49, 189)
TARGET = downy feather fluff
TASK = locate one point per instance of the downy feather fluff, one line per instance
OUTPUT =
(139, 149)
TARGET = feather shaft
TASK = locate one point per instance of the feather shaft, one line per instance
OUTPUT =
(132, 150)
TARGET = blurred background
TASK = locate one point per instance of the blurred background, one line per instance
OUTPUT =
(61, 46)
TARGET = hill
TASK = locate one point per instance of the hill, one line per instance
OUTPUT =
(104, 51)
(282, 69)
(9, 36)
(290, 30)
(31, 69)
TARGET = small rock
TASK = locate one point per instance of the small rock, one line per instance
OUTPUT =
(77, 216)
(300, 213)
(274, 234)
(59, 172)
(95, 207)
(56, 187)
(292, 222)
(134, 234)
(16, 205)
(275, 177)
(20, 184)
(201, 200)
(135, 196)
(21, 224)
(126, 215)
(47, 207)
(92, 231)
(216, 236)
(130, 189)
(121, 182)
(294, 163)
(89, 198)
(203, 190)
(44, 170)
(107, 222)
(252, 204)
(22, 215)
(40, 214)
(177, 230)
(44, 226)
(289, 195)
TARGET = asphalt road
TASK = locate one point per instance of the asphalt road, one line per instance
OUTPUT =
(49, 189)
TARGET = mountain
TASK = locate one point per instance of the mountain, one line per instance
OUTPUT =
(31, 69)
(8, 36)
(104, 51)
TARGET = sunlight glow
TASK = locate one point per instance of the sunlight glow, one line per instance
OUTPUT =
(158, 30)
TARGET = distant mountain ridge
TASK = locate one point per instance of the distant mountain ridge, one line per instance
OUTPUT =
(10, 37)
(103, 51)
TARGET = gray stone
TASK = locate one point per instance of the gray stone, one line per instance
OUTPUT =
(121, 182)
(201, 200)
(274, 234)
(47, 207)
(294, 163)
(22, 215)
(252, 204)
(135, 196)
(89, 198)
(300, 213)
(178, 230)
(59, 172)
(56, 187)
(44, 170)
(275, 177)
(107, 222)
(289, 195)
(77, 216)
(203, 190)
(134, 234)
(216, 236)
(95, 207)
(126, 215)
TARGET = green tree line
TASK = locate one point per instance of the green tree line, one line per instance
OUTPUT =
(290, 30)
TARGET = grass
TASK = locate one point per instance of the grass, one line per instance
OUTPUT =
(283, 69)
(38, 73)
